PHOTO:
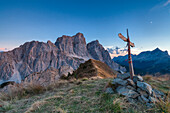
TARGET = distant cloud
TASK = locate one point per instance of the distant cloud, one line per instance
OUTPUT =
(160, 5)
(167, 3)
(3, 49)
(116, 51)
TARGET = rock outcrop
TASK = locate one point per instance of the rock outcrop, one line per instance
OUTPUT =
(36, 56)
(136, 90)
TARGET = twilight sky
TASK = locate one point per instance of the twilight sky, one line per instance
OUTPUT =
(148, 21)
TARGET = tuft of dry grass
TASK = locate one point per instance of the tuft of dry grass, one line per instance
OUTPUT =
(147, 77)
(35, 106)
(163, 106)
(34, 89)
(20, 91)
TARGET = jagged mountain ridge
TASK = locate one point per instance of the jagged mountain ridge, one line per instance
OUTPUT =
(37, 56)
(148, 62)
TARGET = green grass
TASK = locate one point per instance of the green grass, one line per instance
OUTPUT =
(82, 96)
(6, 108)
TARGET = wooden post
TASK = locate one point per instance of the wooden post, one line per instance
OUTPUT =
(130, 58)
(130, 44)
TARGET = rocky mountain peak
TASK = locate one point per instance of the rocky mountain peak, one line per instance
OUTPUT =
(97, 51)
(49, 42)
(75, 45)
(157, 49)
(160, 52)
(95, 42)
(67, 53)
(79, 35)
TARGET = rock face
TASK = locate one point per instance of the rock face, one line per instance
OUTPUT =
(94, 68)
(44, 78)
(47, 77)
(136, 90)
(97, 51)
(75, 45)
(36, 56)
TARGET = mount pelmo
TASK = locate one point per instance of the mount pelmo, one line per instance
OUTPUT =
(65, 55)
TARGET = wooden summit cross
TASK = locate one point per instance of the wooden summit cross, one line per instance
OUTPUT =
(129, 53)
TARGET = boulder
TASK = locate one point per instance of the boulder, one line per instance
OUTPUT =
(137, 78)
(130, 87)
(136, 90)
(119, 81)
(144, 86)
(142, 92)
(123, 76)
(127, 92)
(109, 90)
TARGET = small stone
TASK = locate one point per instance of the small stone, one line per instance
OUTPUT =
(119, 81)
(123, 76)
(137, 78)
(152, 99)
(140, 99)
(130, 82)
(109, 90)
(144, 86)
(132, 100)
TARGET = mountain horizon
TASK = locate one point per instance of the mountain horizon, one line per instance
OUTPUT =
(117, 51)
(155, 62)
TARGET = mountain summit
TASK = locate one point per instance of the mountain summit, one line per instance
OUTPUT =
(36, 56)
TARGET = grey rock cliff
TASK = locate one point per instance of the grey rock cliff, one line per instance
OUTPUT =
(97, 51)
(36, 56)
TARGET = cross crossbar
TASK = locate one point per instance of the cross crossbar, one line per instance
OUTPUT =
(125, 39)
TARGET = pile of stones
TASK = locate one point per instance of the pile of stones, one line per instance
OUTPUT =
(135, 90)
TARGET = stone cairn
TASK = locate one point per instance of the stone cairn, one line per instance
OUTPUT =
(136, 90)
